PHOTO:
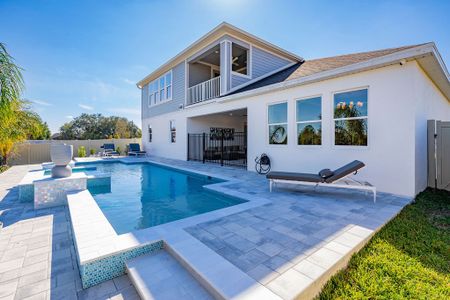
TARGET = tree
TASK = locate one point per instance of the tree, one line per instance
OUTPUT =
(96, 126)
(34, 127)
(309, 136)
(350, 132)
(17, 121)
(11, 86)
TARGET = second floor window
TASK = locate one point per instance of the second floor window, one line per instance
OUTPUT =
(160, 90)
(239, 59)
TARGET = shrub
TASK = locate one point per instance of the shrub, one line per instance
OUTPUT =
(92, 151)
(81, 151)
(3, 168)
(118, 150)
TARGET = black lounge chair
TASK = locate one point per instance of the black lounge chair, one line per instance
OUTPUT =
(325, 177)
(109, 150)
(135, 150)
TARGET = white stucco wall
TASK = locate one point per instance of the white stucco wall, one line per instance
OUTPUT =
(391, 156)
(430, 104)
(161, 144)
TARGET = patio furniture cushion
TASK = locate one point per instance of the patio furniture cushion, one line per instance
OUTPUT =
(295, 176)
(135, 147)
(344, 171)
(325, 173)
(109, 147)
(337, 174)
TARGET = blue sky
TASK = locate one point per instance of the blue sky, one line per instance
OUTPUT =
(86, 56)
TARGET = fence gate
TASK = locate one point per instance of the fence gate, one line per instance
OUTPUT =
(226, 148)
(439, 154)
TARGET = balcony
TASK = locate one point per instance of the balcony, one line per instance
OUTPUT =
(204, 91)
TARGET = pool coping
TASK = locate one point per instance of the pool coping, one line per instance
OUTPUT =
(85, 247)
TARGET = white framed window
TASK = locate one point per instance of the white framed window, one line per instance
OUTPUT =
(150, 133)
(309, 121)
(277, 123)
(169, 85)
(351, 118)
(240, 60)
(160, 90)
(173, 131)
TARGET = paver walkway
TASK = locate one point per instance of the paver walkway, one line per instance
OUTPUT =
(37, 254)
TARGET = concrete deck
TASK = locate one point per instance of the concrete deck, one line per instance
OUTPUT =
(277, 245)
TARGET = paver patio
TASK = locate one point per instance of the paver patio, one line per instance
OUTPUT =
(298, 236)
(284, 245)
(37, 254)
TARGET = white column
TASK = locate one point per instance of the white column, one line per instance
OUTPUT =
(225, 66)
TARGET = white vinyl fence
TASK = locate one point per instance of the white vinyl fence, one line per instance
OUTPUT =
(439, 154)
(35, 152)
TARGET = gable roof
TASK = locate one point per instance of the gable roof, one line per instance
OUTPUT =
(314, 66)
(219, 31)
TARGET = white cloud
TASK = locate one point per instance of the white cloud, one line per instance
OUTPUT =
(123, 110)
(41, 102)
(129, 81)
(69, 117)
(86, 107)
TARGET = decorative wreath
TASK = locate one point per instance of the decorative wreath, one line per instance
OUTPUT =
(279, 135)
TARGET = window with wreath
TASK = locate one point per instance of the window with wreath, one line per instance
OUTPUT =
(309, 121)
(350, 118)
(173, 132)
(277, 121)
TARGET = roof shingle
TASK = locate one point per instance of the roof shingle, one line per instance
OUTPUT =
(310, 67)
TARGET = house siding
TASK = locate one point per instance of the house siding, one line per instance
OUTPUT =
(178, 95)
(237, 80)
(263, 63)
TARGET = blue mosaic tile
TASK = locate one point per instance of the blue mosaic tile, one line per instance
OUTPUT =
(107, 268)
(26, 193)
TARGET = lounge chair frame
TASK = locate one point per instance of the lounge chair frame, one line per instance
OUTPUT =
(109, 152)
(340, 183)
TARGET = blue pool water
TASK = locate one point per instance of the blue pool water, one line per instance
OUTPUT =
(77, 169)
(144, 195)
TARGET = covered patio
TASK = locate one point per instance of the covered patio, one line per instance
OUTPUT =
(219, 138)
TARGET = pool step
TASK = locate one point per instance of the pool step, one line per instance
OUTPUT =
(160, 276)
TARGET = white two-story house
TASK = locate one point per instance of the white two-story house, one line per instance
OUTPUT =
(231, 96)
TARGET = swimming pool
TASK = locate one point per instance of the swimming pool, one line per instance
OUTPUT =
(145, 195)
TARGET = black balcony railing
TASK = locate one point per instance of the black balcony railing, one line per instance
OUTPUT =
(229, 148)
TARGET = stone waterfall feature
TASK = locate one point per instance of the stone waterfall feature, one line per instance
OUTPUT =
(61, 155)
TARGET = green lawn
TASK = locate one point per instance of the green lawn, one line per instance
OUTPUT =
(408, 259)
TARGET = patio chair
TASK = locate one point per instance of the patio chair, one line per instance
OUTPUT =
(338, 178)
(109, 150)
(135, 150)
